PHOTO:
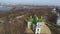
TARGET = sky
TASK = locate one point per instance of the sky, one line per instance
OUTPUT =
(34, 2)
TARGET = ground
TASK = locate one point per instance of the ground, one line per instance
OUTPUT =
(44, 29)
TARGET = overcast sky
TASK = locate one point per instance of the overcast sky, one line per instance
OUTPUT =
(35, 2)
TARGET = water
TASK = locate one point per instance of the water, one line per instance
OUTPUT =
(4, 8)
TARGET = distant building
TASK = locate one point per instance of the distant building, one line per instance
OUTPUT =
(54, 10)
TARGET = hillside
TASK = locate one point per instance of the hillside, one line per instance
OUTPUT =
(18, 26)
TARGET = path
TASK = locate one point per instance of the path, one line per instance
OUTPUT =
(45, 29)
